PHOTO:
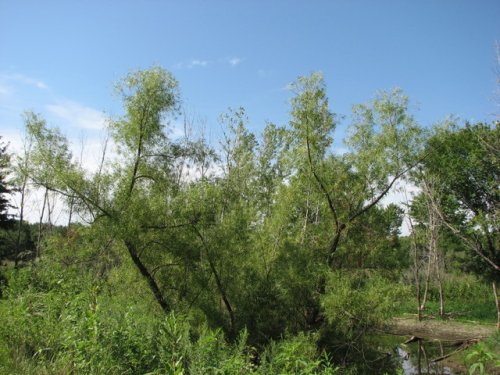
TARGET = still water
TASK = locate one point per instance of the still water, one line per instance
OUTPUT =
(413, 363)
(416, 358)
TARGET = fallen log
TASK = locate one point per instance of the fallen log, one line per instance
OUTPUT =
(464, 346)
(438, 330)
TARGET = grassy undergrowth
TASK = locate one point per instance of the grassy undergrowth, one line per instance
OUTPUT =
(58, 319)
(467, 299)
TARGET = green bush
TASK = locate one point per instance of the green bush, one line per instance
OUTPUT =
(295, 355)
(60, 316)
(358, 300)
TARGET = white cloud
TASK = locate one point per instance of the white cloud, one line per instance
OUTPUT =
(401, 194)
(14, 138)
(78, 115)
(235, 61)
(26, 80)
(88, 151)
(196, 63)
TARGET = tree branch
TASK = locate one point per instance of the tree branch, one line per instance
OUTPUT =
(320, 183)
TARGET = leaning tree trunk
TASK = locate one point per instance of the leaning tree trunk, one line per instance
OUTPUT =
(153, 286)
(222, 291)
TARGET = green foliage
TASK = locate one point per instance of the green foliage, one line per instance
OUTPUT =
(295, 355)
(484, 358)
(312, 122)
(357, 301)
(465, 161)
(384, 138)
(59, 318)
(148, 96)
(374, 243)
(250, 259)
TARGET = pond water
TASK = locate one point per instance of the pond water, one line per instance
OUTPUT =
(412, 364)
(414, 358)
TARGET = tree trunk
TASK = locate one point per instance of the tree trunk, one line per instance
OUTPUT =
(434, 226)
(427, 279)
(227, 304)
(70, 215)
(220, 287)
(335, 244)
(304, 228)
(440, 286)
(20, 226)
(497, 303)
(149, 278)
(416, 265)
(49, 210)
(417, 279)
(39, 240)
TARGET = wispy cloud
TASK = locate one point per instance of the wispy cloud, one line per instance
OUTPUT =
(22, 78)
(194, 63)
(235, 61)
(200, 63)
(197, 63)
(78, 115)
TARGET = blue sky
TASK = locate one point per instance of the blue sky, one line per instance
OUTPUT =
(61, 58)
